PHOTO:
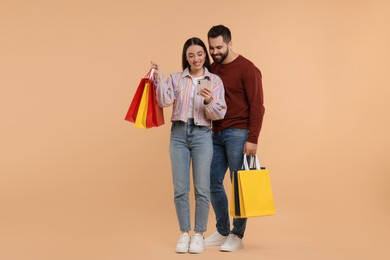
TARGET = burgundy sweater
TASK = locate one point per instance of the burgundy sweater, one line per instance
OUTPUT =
(243, 95)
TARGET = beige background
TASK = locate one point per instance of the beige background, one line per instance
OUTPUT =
(79, 182)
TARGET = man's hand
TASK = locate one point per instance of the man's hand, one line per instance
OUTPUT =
(250, 148)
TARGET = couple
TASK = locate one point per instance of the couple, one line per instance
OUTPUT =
(212, 127)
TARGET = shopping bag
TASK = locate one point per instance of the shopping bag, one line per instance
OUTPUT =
(134, 105)
(155, 116)
(251, 194)
(140, 120)
(144, 111)
(235, 197)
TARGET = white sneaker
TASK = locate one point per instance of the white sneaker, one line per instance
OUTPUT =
(231, 244)
(183, 244)
(215, 239)
(197, 244)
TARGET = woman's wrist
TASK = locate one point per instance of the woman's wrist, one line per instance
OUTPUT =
(206, 102)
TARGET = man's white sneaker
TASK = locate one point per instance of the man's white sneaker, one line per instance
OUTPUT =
(183, 244)
(231, 244)
(197, 244)
(215, 239)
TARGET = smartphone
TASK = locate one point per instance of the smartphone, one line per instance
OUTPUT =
(202, 83)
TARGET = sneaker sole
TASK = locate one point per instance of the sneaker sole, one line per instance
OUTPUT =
(214, 244)
(195, 251)
(230, 250)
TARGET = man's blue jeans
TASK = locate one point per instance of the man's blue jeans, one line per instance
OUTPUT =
(228, 153)
(191, 145)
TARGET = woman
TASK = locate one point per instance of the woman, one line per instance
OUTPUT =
(193, 110)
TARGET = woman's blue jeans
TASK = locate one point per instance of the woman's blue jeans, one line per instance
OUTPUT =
(191, 145)
(228, 153)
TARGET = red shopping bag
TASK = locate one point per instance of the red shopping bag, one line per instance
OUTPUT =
(155, 116)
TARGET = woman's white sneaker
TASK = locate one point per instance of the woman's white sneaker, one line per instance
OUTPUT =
(197, 244)
(183, 244)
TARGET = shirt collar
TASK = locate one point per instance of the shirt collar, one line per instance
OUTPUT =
(186, 73)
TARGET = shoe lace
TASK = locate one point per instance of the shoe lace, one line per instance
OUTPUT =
(197, 239)
(183, 239)
(231, 240)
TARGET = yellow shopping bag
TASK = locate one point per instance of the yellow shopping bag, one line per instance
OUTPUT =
(140, 120)
(251, 194)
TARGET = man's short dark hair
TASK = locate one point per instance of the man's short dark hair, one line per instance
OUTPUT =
(220, 30)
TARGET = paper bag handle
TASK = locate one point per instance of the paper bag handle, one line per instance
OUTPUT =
(149, 75)
(254, 161)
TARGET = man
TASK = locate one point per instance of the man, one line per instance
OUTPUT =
(234, 135)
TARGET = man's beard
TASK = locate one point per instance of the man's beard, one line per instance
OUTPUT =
(221, 57)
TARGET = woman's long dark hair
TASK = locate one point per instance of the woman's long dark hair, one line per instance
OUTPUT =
(187, 44)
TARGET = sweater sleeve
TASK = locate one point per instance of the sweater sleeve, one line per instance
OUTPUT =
(254, 92)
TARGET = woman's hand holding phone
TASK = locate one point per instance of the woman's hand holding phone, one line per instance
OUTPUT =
(204, 90)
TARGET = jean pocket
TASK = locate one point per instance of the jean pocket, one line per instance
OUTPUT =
(204, 129)
(173, 126)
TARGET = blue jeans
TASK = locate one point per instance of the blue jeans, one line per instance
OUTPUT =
(228, 153)
(191, 144)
